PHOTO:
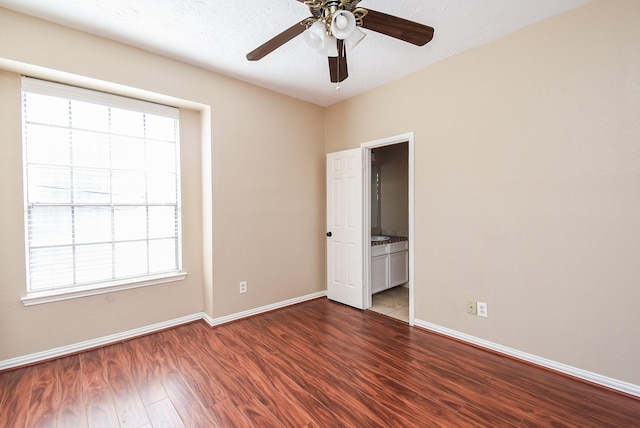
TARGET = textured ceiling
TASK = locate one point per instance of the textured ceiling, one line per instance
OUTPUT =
(217, 35)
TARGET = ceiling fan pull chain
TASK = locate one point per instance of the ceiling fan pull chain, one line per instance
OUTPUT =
(339, 75)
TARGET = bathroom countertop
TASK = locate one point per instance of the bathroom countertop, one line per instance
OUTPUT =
(390, 241)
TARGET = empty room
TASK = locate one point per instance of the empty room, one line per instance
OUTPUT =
(322, 213)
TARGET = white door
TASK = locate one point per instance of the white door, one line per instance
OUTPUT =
(345, 268)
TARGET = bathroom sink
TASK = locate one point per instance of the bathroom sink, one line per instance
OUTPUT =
(378, 238)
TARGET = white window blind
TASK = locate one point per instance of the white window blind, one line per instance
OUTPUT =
(102, 188)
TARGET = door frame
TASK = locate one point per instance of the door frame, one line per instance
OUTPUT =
(366, 188)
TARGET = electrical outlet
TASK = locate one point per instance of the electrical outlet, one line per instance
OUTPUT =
(483, 311)
(243, 287)
(471, 307)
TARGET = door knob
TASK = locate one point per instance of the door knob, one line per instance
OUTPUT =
(329, 234)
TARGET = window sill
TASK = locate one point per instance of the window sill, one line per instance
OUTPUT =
(41, 297)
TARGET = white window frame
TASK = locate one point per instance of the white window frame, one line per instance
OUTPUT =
(87, 289)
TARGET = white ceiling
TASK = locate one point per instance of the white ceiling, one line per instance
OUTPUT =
(217, 35)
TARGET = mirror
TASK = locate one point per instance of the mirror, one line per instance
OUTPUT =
(375, 196)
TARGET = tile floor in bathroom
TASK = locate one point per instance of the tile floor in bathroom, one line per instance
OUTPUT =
(393, 302)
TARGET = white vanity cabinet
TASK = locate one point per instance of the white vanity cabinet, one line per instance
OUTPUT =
(379, 268)
(389, 265)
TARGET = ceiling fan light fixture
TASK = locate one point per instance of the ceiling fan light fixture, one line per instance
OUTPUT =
(316, 36)
(343, 24)
(330, 47)
(357, 36)
(341, 21)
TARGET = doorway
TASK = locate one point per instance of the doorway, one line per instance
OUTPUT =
(349, 249)
(388, 212)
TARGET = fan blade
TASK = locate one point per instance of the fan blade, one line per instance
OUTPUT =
(338, 64)
(279, 40)
(399, 28)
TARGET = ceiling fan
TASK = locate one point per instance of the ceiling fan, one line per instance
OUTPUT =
(332, 28)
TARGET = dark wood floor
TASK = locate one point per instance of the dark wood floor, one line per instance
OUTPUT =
(317, 364)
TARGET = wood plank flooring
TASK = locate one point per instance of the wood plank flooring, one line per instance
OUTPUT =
(316, 364)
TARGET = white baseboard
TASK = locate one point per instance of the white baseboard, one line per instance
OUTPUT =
(626, 387)
(262, 309)
(119, 337)
(608, 382)
(94, 343)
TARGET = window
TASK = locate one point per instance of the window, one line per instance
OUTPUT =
(102, 189)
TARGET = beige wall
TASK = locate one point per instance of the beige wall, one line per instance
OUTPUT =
(527, 185)
(264, 223)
